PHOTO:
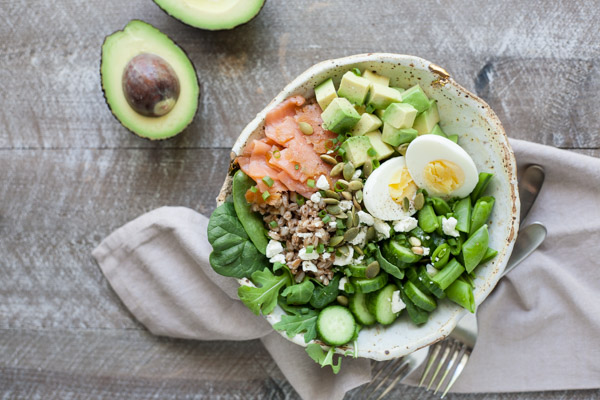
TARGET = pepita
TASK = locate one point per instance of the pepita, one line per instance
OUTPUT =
(367, 169)
(351, 234)
(371, 233)
(419, 201)
(414, 241)
(327, 200)
(344, 250)
(333, 209)
(341, 184)
(358, 250)
(350, 220)
(337, 169)
(402, 149)
(359, 196)
(349, 170)
(355, 185)
(342, 300)
(355, 214)
(332, 195)
(328, 159)
(356, 204)
(336, 241)
(372, 270)
(347, 195)
(341, 215)
(305, 128)
(406, 204)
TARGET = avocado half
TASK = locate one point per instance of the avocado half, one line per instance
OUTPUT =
(173, 82)
(210, 14)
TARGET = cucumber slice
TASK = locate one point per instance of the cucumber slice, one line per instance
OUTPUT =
(413, 276)
(358, 306)
(399, 254)
(358, 271)
(380, 304)
(417, 316)
(425, 279)
(420, 299)
(364, 285)
(336, 325)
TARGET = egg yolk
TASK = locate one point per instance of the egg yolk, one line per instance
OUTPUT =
(443, 176)
(401, 185)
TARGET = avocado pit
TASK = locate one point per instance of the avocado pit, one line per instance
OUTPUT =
(150, 85)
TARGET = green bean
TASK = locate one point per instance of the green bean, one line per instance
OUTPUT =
(481, 212)
(440, 256)
(427, 219)
(482, 183)
(475, 247)
(439, 205)
(461, 293)
(489, 254)
(462, 213)
(440, 228)
(448, 274)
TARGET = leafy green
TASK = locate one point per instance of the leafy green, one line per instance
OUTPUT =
(324, 295)
(264, 297)
(388, 266)
(250, 220)
(233, 253)
(303, 320)
(300, 293)
(315, 352)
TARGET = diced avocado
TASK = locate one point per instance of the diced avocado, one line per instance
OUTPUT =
(454, 138)
(416, 97)
(360, 109)
(396, 137)
(356, 148)
(437, 130)
(325, 93)
(354, 88)
(380, 97)
(383, 150)
(398, 89)
(425, 121)
(400, 115)
(340, 115)
(368, 123)
(379, 113)
(376, 78)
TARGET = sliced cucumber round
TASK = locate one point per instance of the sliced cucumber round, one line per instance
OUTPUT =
(336, 325)
(413, 276)
(380, 304)
(420, 299)
(358, 306)
(365, 285)
(358, 271)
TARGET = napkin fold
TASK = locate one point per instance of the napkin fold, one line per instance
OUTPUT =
(539, 330)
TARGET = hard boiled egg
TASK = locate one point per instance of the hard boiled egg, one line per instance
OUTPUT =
(386, 188)
(441, 167)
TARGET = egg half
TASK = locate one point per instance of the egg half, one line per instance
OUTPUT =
(441, 167)
(386, 188)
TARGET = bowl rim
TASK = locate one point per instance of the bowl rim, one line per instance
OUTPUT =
(444, 79)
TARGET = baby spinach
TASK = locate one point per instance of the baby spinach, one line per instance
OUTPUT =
(300, 293)
(233, 253)
(303, 319)
(264, 296)
(315, 352)
(251, 221)
(324, 295)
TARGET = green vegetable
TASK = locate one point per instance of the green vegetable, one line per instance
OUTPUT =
(264, 296)
(251, 221)
(266, 195)
(417, 315)
(323, 295)
(461, 293)
(481, 212)
(336, 325)
(233, 253)
(474, 249)
(482, 183)
(440, 255)
(413, 276)
(365, 285)
(425, 279)
(358, 305)
(303, 320)
(380, 304)
(454, 138)
(300, 293)
(310, 183)
(439, 205)
(388, 266)
(462, 213)
(268, 181)
(449, 274)
(422, 300)
(398, 254)
(489, 254)
(455, 245)
(315, 352)
(427, 219)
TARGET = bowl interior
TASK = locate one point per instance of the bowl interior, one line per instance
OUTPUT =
(480, 134)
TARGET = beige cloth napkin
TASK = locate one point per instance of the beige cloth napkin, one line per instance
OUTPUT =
(540, 330)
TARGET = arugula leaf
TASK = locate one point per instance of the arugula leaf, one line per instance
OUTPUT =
(300, 293)
(233, 253)
(324, 295)
(304, 320)
(264, 297)
(315, 352)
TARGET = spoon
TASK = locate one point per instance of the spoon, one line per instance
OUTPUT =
(529, 187)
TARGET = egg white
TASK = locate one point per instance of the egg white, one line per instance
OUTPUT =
(427, 148)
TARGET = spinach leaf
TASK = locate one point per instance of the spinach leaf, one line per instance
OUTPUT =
(303, 320)
(300, 293)
(251, 221)
(233, 253)
(264, 297)
(324, 295)
(315, 352)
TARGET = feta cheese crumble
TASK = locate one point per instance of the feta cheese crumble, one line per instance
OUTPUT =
(303, 255)
(360, 238)
(382, 228)
(308, 266)
(449, 226)
(406, 224)
(426, 251)
(345, 205)
(365, 218)
(322, 183)
(357, 174)
(304, 235)
(278, 258)
(342, 283)
(273, 248)
(397, 304)
(316, 197)
(344, 260)
(431, 271)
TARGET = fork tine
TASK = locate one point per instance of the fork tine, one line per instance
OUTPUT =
(398, 378)
(383, 366)
(432, 356)
(459, 368)
(455, 354)
(393, 371)
(441, 362)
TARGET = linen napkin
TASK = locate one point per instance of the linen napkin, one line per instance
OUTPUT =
(539, 330)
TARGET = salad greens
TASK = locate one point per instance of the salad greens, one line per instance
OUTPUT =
(264, 297)
(323, 358)
(301, 320)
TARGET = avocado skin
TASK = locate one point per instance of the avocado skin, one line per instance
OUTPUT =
(111, 110)
(213, 30)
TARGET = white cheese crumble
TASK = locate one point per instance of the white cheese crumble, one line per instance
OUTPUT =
(397, 304)
(316, 197)
(278, 258)
(426, 251)
(406, 224)
(344, 260)
(365, 218)
(308, 266)
(431, 271)
(449, 226)
(325, 256)
(357, 174)
(319, 234)
(333, 224)
(304, 235)
(345, 205)
(303, 255)
(342, 283)
(360, 238)
(382, 228)
(273, 248)
(322, 183)
(359, 259)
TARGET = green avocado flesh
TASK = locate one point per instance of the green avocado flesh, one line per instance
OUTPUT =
(175, 89)
(210, 14)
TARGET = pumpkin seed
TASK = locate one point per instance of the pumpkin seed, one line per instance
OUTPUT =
(359, 196)
(406, 204)
(414, 241)
(419, 201)
(332, 195)
(350, 221)
(351, 234)
(372, 270)
(347, 195)
(358, 250)
(371, 233)
(356, 204)
(341, 184)
(349, 170)
(342, 300)
(402, 149)
(344, 250)
(367, 169)
(333, 209)
(328, 159)
(355, 215)
(305, 128)
(341, 216)
(335, 171)
(336, 241)
(327, 200)
(355, 185)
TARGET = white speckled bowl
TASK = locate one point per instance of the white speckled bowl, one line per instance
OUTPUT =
(481, 135)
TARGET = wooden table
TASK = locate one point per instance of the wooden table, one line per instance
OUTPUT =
(70, 174)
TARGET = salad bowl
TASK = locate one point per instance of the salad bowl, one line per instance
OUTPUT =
(480, 133)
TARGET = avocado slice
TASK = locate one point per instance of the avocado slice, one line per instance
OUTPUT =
(149, 83)
(210, 14)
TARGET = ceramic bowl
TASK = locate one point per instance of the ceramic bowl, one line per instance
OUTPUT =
(480, 134)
